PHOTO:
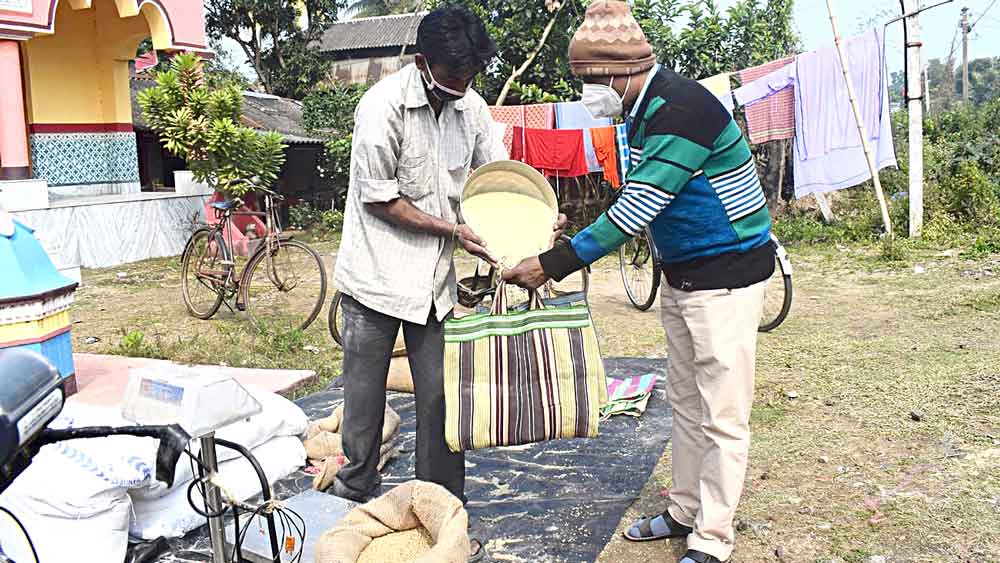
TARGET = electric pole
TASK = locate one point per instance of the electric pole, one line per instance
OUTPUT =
(915, 98)
(965, 55)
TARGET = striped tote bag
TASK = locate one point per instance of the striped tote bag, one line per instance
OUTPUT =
(522, 375)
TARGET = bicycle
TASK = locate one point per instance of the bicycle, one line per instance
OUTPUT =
(472, 291)
(639, 265)
(777, 294)
(281, 278)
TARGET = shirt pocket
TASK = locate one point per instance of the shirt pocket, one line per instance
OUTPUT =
(458, 160)
(412, 173)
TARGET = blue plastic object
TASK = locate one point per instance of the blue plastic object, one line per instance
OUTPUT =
(27, 270)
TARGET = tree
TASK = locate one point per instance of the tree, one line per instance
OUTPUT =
(984, 80)
(518, 26)
(896, 87)
(369, 8)
(270, 36)
(710, 42)
(201, 125)
(941, 75)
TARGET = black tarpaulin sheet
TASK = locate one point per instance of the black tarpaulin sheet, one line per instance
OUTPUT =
(555, 502)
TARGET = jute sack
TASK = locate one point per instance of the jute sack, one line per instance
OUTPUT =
(332, 424)
(400, 379)
(409, 506)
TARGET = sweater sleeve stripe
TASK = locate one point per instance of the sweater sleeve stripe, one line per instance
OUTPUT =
(637, 207)
(598, 239)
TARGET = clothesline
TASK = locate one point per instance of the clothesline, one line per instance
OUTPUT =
(801, 97)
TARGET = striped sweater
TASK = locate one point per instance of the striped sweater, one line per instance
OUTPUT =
(694, 183)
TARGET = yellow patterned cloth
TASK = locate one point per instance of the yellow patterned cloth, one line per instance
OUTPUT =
(515, 377)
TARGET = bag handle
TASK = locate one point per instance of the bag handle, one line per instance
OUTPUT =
(501, 307)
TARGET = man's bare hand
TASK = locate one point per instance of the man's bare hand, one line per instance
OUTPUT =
(558, 228)
(528, 274)
(474, 245)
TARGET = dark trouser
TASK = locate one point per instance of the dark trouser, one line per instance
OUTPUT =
(369, 338)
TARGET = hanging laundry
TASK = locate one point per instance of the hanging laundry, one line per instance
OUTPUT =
(575, 115)
(827, 149)
(535, 116)
(606, 150)
(719, 86)
(500, 131)
(553, 152)
(624, 150)
(771, 117)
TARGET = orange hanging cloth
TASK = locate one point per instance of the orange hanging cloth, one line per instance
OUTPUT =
(607, 153)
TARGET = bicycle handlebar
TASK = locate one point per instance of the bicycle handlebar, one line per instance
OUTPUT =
(256, 187)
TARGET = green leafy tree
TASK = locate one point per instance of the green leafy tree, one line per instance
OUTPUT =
(705, 43)
(984, 80)
(369, 8)
(329, 114)
(202, 126)
(517, 27)
(273, 39)
(747, 34)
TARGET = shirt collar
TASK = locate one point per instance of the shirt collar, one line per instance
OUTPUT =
(645, 87)
(415, 95)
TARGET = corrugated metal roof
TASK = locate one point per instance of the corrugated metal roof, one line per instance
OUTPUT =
(263, 112)
(372, 33)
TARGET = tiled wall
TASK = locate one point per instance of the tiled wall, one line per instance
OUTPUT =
(66, 159)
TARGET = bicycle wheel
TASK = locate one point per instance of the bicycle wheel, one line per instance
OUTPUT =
(204, 273)
(287, 291)
(777, 292)
(639, 263)
(335, 321)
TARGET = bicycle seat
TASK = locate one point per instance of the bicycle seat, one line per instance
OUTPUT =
(224, 205)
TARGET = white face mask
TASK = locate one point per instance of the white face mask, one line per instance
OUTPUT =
(603, 101)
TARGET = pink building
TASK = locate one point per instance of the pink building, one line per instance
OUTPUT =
(68, 157)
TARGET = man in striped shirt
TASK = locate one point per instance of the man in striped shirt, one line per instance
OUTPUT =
(693, 183)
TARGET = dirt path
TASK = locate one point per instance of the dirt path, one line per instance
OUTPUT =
(891, 446)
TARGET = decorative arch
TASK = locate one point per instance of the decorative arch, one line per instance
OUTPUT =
(160, 28)
(173, 24)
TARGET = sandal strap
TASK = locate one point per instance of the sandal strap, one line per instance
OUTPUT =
(646, 527)
(699, 557)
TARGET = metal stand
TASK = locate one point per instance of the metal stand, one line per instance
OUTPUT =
(213, 501)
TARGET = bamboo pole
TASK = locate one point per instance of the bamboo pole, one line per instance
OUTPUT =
(845, 67)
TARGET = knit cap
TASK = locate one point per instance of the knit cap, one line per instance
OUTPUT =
(610, 43)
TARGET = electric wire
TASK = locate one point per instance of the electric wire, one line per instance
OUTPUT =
(982, 14)
(31, 544)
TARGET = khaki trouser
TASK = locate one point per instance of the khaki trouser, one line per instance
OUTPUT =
(712, 348)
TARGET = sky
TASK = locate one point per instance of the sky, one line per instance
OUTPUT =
(938, 27)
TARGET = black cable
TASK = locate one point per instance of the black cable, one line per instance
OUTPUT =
(265, 490)
(237, 546)
(23, 531)
(982, 14)
(194, 507)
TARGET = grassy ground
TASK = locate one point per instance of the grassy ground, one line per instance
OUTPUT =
(891, 446)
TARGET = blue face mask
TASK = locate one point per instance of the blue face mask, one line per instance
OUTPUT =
(440, 91)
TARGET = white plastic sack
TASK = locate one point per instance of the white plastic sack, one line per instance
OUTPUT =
(171, 516)
(279, 417)
(69, 507)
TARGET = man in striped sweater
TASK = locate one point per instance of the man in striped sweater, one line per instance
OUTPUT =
(693, 183)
